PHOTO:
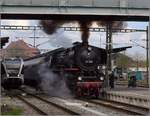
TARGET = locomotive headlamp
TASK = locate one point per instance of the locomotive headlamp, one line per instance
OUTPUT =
(101, 78)
(89, 48)
(79, 78)
(103, 67)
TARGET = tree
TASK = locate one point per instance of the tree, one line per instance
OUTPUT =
(139, 59)
(123, 61)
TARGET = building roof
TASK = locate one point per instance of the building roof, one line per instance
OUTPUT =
(20, 48)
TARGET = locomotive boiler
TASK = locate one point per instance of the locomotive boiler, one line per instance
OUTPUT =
(12, 73)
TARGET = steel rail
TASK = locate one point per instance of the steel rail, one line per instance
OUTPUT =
(126, 104)
(31, 105)
(54, 104)
(118, 106)
(58, 106)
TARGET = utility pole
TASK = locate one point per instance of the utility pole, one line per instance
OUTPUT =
(34, 36)
(149, 50)
(147, 55)
(109, 51)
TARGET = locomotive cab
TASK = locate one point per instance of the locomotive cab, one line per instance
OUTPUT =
(12, 75)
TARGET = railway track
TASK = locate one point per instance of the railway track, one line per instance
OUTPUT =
(123, 107)
(44, 106)
(37, 109)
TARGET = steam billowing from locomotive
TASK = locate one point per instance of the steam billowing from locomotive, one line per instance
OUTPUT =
(42, 78)
(51, 26)
(52, 83)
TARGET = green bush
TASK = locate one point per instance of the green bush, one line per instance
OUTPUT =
(13, 110)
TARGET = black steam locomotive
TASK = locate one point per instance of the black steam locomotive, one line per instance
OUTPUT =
(83, 67)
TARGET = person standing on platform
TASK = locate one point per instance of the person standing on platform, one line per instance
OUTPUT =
(111, 80)
(129, 80)
(134, 81)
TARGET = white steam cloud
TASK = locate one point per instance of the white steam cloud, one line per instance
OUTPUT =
(53, 84)
(60, 39)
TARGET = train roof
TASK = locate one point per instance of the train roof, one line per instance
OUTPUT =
(79, 43)
(46, 54)
(114, 50)
(40, 58)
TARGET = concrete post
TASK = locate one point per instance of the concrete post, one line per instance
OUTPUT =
(149, 49)
(147, 54)
(108, 50)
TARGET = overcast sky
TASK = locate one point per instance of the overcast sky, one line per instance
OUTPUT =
(65, 39)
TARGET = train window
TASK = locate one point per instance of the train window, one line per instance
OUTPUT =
(12, 63)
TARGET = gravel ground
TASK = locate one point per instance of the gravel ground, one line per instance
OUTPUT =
(16, 102)
(27, 110)
(81, 107)
(85, 108)
(48, 108)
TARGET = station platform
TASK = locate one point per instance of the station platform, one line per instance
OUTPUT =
(131, 90)
(134, 95)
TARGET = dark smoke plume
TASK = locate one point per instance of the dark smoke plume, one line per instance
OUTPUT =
(85, 25)
(114, 24)
(51, 26)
